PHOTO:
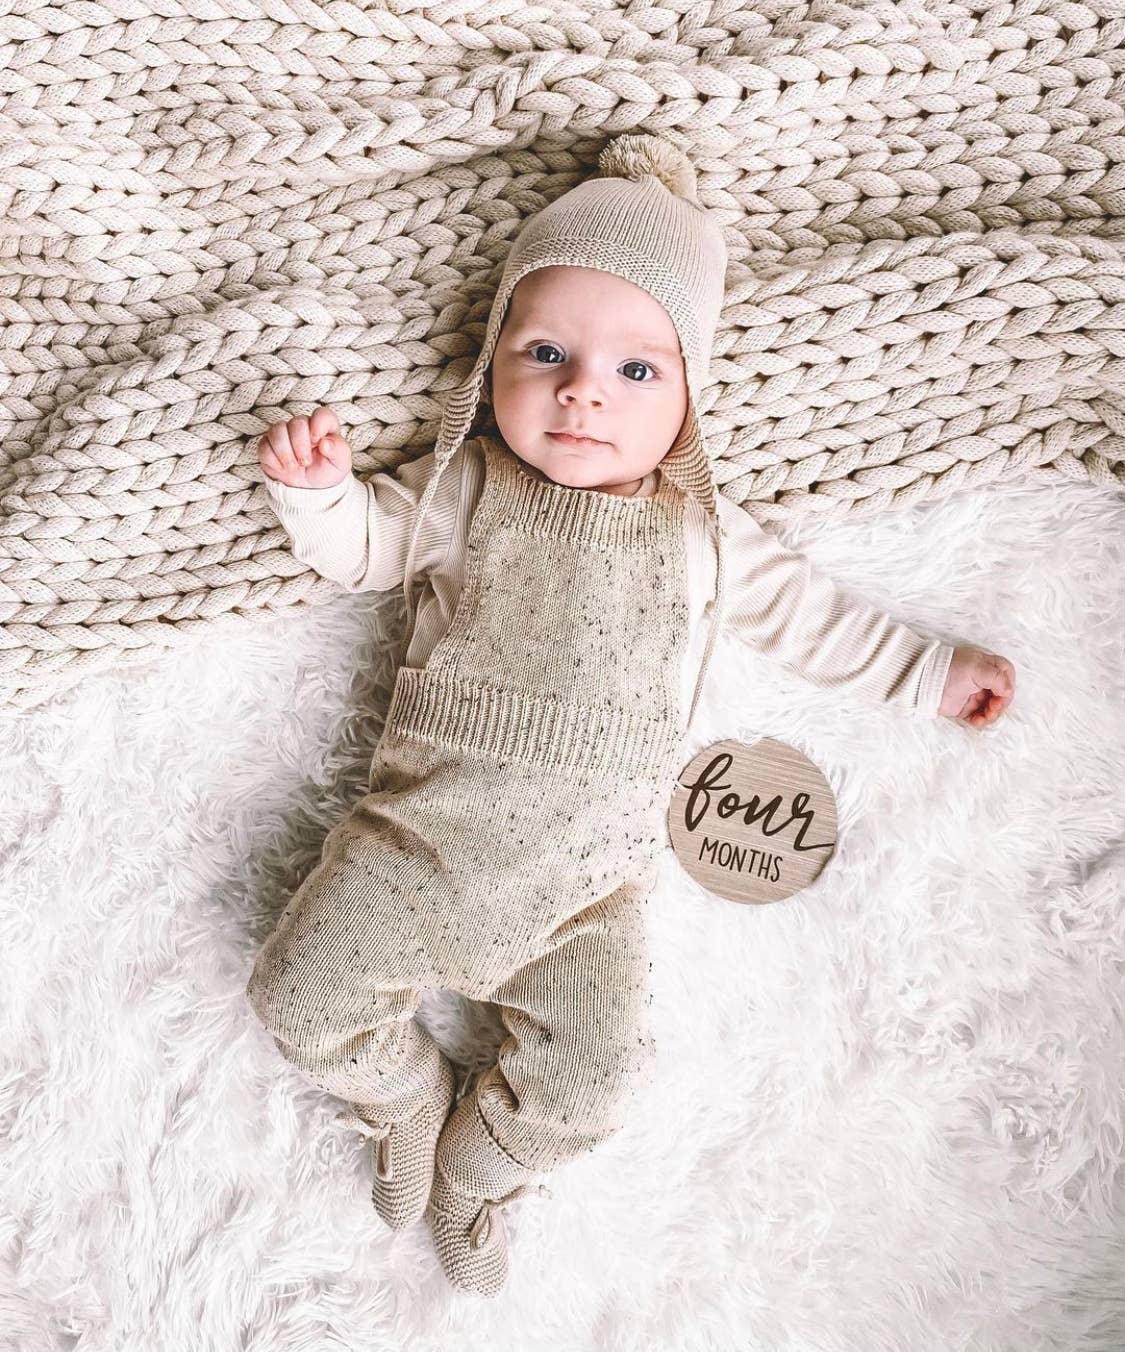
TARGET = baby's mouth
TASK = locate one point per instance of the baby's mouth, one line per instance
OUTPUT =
(565, 439)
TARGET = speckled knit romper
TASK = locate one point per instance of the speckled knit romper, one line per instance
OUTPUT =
(507, 846)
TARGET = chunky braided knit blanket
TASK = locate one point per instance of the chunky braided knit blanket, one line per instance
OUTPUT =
(220, 216)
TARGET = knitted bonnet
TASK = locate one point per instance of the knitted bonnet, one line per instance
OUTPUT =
(640, 219)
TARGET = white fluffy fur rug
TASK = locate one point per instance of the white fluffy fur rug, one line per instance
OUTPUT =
(889, 1112)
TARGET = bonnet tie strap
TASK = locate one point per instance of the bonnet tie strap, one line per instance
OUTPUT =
(716, 614)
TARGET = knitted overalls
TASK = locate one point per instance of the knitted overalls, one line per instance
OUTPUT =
(507, 844)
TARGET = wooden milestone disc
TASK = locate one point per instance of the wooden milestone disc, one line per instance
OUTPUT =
(752, 823)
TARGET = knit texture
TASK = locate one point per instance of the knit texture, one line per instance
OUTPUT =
(469, 1236)
(402, 1152)
(241, 217)
(515, 871)
(560, 704)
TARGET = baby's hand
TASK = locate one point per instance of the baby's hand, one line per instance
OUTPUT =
(978, 688)
(306, 452)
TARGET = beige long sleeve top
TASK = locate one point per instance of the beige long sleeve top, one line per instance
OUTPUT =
(357, 533)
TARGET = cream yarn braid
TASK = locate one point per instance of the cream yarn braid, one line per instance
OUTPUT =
(212, 222)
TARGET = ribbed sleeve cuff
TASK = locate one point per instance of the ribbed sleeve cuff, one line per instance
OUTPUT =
(932, 685)
(313, 501)
(327, 527)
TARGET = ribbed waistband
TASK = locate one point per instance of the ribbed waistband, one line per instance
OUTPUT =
(464, 715)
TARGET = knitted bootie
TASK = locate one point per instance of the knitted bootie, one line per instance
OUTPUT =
(403, 1153)
(469, 1234)
(474, 1180)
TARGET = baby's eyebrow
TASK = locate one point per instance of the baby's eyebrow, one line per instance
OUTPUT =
(647, 345)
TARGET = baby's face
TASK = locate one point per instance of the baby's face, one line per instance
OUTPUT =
(587, 349)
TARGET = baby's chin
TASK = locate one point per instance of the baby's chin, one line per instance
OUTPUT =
(579, 469)
(576, 468)
(603, 460)
(580, 476)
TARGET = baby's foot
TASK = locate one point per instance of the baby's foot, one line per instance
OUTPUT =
(403, 1153)
(469, 1234)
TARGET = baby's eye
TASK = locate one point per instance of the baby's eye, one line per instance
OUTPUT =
(550, 347)
(645, 365)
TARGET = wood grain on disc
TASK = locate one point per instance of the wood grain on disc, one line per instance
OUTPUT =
(752, 823)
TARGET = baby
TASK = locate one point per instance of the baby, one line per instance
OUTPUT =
(507, 844)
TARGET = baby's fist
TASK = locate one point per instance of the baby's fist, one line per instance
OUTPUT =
(306, 452)
(978, 688)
